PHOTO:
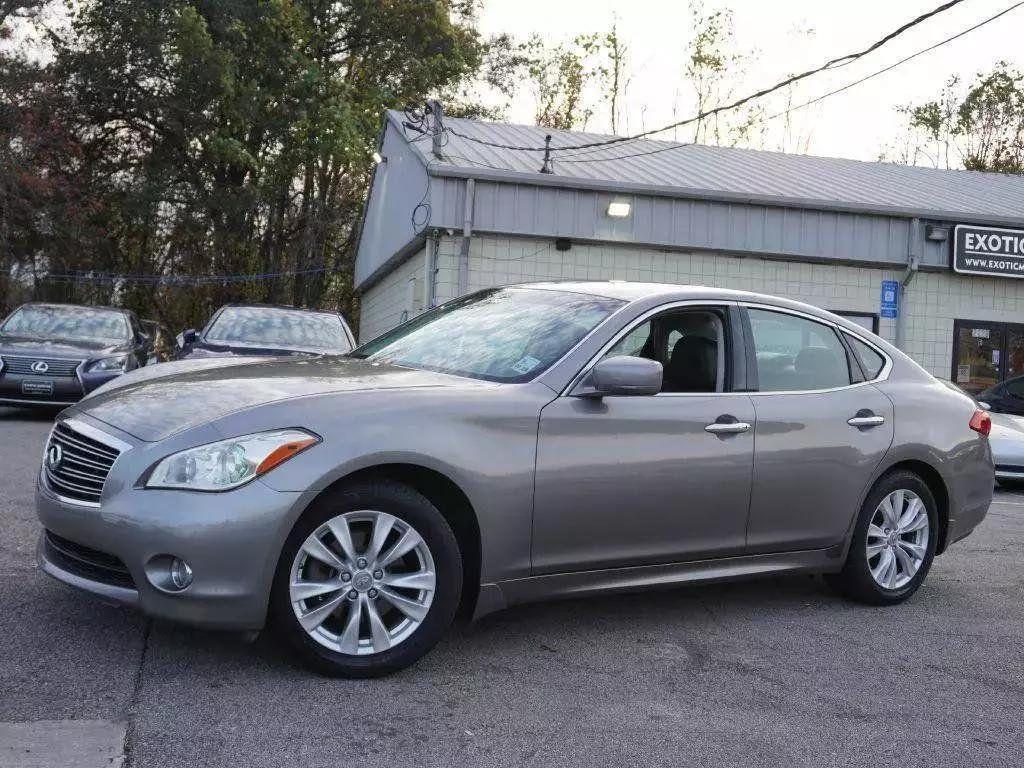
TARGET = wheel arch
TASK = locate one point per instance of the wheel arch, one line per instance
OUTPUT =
(936, 484)
(449, 499)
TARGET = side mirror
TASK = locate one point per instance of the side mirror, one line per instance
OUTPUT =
(623, 376)
(984, 406)
(189, 336)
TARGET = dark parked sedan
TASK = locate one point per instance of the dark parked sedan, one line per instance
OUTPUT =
(518, 444)
(1006, 397)
(258, 330)
(53, 354)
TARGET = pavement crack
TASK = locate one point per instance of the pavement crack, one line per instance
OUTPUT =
(133, 700)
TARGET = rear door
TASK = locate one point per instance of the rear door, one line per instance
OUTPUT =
(821, 430)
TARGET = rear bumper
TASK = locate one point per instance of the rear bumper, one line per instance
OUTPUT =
(1009, 472)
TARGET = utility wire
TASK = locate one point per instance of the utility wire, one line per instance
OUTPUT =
(583, 157)
(891, 67)
(839, 61)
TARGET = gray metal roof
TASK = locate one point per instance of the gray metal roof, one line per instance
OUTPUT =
(725, 173)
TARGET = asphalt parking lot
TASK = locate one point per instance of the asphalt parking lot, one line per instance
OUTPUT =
(775, 672)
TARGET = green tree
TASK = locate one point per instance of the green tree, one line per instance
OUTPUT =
(980, 127)
(234, 137)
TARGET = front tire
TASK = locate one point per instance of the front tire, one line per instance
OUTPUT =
(368, 581)
(893, 542)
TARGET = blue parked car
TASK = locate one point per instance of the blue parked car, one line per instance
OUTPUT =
(259, 330)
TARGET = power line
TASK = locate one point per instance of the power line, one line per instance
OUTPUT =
(831, 64)
(891, 67)
(583, 157)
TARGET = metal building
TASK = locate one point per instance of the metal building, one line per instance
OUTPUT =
(929, 259)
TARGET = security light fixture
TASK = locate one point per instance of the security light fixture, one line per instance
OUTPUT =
(618, 210)
(936, 233)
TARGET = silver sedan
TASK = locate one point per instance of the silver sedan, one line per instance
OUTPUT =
(518, 444)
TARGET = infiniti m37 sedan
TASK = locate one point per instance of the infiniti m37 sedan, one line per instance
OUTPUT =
(517, 444)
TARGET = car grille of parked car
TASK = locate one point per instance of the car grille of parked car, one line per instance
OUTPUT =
(87, 562)
(41, 366)
(77, 466)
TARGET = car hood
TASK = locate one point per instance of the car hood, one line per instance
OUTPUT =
(158, 401)
(74, 348)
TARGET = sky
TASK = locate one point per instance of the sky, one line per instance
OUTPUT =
(782, 36)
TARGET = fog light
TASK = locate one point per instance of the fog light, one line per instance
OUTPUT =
(181, 573)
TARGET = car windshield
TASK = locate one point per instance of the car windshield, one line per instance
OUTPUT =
(504, 335)
(68, 323)
(279, 329)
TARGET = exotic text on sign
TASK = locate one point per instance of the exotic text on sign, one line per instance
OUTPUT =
(988, 251)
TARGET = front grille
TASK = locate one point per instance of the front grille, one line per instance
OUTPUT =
(55, 368)
(87, 562)
(76, 466)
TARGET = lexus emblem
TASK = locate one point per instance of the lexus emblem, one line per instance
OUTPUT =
(54, 456)
(40, 366)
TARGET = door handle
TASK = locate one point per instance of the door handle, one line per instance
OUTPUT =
(727, 428)
(866, 421)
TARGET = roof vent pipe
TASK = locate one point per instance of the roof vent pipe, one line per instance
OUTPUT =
(547, 167)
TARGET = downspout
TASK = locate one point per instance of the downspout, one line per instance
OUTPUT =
(430, 269)
(467, 233)
(913, 260)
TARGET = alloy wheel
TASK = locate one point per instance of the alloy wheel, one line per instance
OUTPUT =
(362, 582)
(897, 540)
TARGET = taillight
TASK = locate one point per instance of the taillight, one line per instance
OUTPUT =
(981, 423)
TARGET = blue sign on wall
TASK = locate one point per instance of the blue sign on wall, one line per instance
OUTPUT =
(890, 298)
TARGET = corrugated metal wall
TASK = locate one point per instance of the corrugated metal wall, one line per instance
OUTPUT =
(675, 223)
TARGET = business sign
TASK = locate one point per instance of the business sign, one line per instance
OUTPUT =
(890, 298)
(988, 251)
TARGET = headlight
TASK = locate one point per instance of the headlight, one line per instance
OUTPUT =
(118, 363)
(230, 463)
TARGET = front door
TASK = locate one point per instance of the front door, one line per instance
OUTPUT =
(635, 480)
(819, 437)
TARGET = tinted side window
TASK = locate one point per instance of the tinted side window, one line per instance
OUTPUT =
(870, 360)
(795, 354)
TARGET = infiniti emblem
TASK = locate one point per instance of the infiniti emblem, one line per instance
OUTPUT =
(362, 581)
(54, 456)
(40, 366)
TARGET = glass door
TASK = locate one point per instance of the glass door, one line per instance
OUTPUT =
(978, 354)
(1014, 365)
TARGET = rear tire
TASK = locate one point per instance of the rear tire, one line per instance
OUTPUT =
(371, 616)
(893, 542)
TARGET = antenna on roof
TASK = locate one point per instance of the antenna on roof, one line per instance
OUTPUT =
(547, 167)
(436, 112)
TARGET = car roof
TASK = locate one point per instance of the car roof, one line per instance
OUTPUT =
(287, 307)
(636, 291)
(65, 305)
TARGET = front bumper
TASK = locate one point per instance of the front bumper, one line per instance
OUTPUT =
(16, 389)
(231, 541)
